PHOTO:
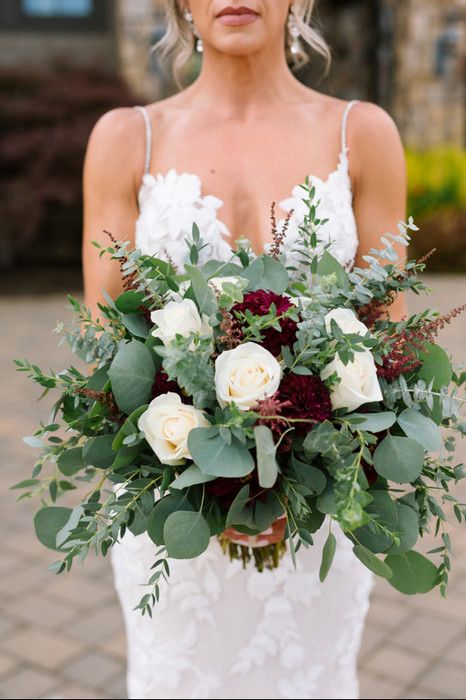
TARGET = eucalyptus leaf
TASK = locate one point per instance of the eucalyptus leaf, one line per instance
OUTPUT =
(132, 374)
(129, 302)
(160, 512)
(407, 528)
(328, 554)
(190, 477)
(328, 265)
(420, 428)
(204, 295)
(267, 466)
(372, 422)
(412, 572)
(313, 478)
(48, 522)
(97, 452)
(129, 427)
(399, 459)
(384, 512)
(436, 366)
(376, 565)
(186, 535)
(237, 507)
(70, 462)
(215, 457)
(267, 511)
(326, 501)
(267, 273)
(136, 325)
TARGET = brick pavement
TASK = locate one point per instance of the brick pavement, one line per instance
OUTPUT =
(62, 637)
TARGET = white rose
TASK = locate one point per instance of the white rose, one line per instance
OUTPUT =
(246, 375)
(346, 320)
(179, 318)
(166, 425)
(359, 383)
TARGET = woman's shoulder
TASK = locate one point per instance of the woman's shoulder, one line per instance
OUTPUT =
(371, 121)
(373, 138)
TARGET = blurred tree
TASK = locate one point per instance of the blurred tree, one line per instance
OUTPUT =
(45, 121)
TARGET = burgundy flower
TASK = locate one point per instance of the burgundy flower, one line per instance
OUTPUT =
(259, 303)
(226, 490)
(307, 397)
(162, 385)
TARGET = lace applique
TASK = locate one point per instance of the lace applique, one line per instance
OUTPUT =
(169, 204)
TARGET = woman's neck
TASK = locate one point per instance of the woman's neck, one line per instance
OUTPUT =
(242, 86)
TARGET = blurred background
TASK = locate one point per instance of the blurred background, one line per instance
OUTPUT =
(63, 63)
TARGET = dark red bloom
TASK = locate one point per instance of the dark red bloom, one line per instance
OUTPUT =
(259, 303)
(162, 385)
(226, 490)
(307, 398)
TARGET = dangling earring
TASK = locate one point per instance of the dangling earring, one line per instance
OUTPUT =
(189, 18)
(293, 30)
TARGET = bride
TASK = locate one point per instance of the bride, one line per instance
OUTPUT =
(243, 135)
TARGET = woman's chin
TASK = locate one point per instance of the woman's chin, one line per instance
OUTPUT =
(239, 45)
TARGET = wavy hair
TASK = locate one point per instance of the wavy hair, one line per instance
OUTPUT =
(177, 44)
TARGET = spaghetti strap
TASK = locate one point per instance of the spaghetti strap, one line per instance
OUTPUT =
(344, 124)
(148, 127)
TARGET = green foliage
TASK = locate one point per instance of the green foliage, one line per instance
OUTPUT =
(186, 535)
(412, 572)
(250, 467)
(191, 367)
(436, 367)
(267, 467)
(328, 554)
(132, 374)
(216, 457)
(48, 522)
(266, 273)
(378, 567)
(399, 459)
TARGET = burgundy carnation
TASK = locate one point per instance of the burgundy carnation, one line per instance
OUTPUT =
(162, 385)
(259, 303)
(307, 397)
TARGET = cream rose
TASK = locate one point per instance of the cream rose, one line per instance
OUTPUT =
(346, 320)
(245, 375)
(179, 318)
(166, 425)
(358, 381)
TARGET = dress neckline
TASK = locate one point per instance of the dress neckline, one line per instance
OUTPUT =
(157, 177)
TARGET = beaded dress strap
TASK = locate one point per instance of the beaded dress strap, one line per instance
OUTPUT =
(344, 128)
(148, 127)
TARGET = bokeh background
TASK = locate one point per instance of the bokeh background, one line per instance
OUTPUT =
(63, 63)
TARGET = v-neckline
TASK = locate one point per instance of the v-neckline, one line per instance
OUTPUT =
(156, 177)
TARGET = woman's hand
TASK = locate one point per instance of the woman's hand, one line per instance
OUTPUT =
(274, 534)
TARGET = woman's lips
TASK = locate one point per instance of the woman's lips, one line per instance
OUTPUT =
(235, 20)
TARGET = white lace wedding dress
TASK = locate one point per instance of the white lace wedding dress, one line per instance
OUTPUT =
(219, 631)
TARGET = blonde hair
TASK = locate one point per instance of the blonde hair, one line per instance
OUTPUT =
(177, 44)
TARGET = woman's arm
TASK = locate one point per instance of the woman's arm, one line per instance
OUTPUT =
(380, 182)
(112, 169)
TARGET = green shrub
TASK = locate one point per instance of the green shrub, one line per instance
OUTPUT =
(45, 121)
(437, 201)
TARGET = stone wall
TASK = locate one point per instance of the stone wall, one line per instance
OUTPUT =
(430, 62)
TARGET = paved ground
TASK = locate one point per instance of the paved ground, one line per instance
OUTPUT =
(62, 637)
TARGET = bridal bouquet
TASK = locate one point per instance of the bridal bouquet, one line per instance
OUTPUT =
(254, 401)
